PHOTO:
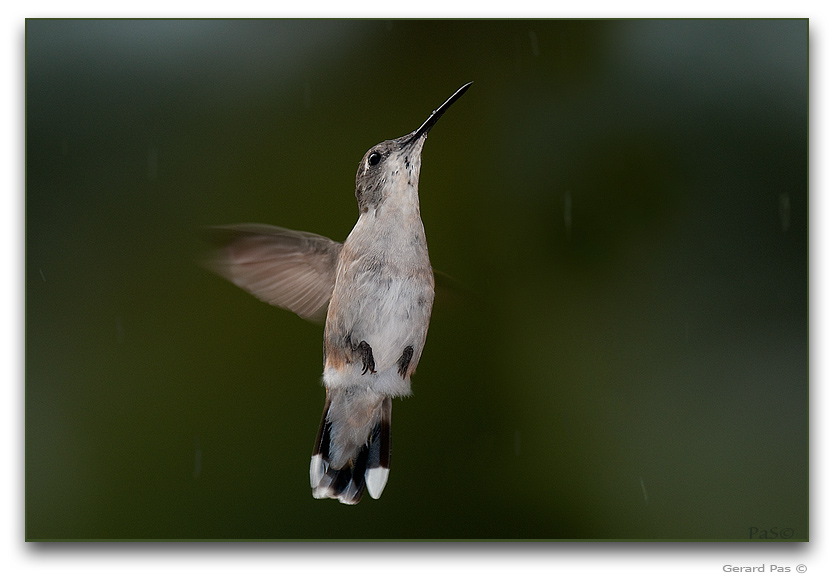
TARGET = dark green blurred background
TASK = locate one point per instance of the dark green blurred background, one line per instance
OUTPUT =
(622, 204)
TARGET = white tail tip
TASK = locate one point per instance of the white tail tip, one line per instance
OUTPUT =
(375, 480)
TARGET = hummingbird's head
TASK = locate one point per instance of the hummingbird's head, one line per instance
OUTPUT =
(390, 167)
(393, 167)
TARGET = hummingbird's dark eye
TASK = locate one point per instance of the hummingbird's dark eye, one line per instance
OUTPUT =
(374, 158)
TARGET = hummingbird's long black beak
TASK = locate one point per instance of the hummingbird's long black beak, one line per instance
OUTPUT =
(437, 113)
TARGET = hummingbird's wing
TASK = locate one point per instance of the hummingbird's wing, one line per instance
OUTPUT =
(289, 269)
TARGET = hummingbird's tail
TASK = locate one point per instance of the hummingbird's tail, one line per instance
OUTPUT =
(353, 448)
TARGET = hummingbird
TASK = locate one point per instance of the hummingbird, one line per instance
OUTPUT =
(375, 293)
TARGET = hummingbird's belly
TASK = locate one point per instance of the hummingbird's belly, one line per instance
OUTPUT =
(390, 314)
(393, 316)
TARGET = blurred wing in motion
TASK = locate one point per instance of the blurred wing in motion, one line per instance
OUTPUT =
(285, 268)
